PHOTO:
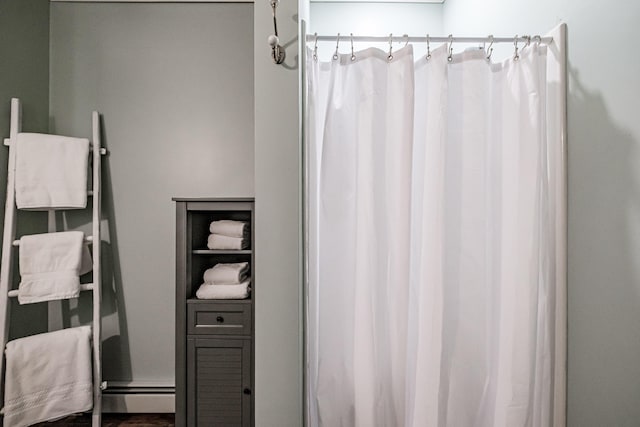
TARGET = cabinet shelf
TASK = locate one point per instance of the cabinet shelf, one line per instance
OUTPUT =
(220, 252)
(219, 301)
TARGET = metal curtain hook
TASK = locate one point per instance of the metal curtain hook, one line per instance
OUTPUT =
(528, 40)
(428, 48)
(335, 55)
(515, 44)
(353, 56)
(490, 48)
(538, 39)
(406, 40)
(450, 57)
(315, 47)
(390, 57)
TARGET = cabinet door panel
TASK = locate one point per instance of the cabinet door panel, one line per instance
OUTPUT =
(219, 372)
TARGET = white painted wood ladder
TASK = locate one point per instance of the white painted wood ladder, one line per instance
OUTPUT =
(9, 244)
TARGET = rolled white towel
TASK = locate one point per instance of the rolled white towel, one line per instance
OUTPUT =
(229, 227)
(218, 241)
(224, 291)
(227, 273)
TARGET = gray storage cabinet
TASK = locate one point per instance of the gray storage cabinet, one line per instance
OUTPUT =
(214, 338)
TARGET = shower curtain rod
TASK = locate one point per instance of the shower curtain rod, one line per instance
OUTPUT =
(423, 39)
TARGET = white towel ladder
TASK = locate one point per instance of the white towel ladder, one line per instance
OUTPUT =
(9, 244)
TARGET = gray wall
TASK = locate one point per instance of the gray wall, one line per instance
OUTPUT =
(277, 174)
(24, 49)
(604, 208)
(373, 19)
(174, 84)
(24, 46)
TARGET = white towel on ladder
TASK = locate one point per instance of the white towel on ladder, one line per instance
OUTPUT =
(50, 266)
(48, 376)
(51, 171)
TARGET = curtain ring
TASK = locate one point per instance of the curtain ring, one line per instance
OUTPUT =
(428, 48)
(515, 44)
(335, 55)
(406, 40)
(390, 57)
(490, 48)
(528, 41)
(315, 47)
(450, 57)
(538, 39)
(353, 56)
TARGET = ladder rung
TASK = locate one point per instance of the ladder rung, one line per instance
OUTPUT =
(84, 287)
(103, 151)
(86, 239)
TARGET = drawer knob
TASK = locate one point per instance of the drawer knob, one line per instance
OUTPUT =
(247, 391)
(220, 319)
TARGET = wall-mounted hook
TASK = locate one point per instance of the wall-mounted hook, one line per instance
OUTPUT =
(277, 51)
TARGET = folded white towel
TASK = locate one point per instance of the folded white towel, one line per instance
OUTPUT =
(48, 376)
(224, 291)
(51, 171)
(218, 241)
(50, 265)
(227, 273)
(229, 227)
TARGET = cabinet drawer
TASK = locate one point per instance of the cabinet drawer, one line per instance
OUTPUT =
(219, 319)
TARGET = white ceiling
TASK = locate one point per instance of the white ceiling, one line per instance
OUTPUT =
(244, 1)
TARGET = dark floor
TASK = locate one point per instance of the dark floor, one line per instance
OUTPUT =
(116, 420)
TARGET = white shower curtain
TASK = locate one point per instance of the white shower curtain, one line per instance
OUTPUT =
(435, 200)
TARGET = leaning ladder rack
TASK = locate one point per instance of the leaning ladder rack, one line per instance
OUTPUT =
(9, 243)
